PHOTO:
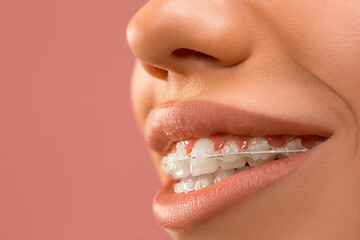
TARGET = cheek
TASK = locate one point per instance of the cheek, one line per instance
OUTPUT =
(145, 92)
(324, 38)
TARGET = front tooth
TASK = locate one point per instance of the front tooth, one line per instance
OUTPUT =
(200, 166)
(188, 184)
(201, 163)
(204, 181)
(181, 169)
(179, 187)
(180, 150)
(221, 174)
(203, 148)
(168, 163)
(176, 167)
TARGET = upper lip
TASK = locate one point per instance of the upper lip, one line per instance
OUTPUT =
(171, 123)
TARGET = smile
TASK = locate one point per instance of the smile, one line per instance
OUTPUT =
(199, 163)
(216, 156)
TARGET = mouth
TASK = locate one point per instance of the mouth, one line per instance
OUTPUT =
(216, 156)
(198, 163)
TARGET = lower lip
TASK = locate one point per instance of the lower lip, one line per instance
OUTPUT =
(185, 211)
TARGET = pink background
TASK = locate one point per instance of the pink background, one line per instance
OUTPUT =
(73, 164)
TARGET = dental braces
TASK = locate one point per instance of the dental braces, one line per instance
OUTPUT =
(246, 153)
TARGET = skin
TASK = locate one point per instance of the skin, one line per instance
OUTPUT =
(280, 58)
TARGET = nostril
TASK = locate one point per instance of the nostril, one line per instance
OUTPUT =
(185, 52)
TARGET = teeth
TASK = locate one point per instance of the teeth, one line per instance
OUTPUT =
(201, 163)
(260, 144)
(185, 185)
(221, 174)
(231, 160)
(257, 162)
(202, 148)
(293, 144)
(205, 166)
(176, 167)
(189, 184)
(229, 148)
(180, 150)
(237, 163)
(204, 181)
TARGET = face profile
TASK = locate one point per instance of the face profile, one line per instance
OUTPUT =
(250, 110)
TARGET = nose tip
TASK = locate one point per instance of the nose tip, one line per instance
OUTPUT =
(184, 36)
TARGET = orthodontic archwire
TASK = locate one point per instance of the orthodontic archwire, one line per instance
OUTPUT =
(274, 151)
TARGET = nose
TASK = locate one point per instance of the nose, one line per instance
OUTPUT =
(184, 36)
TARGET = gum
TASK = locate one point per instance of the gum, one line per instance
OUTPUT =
(275, 141)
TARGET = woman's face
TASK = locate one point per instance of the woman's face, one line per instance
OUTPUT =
(254, 68)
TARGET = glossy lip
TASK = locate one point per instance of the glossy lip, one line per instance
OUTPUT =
(196, 119)
(185, 211)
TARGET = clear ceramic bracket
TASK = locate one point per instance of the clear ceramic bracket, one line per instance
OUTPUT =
(273, 151)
